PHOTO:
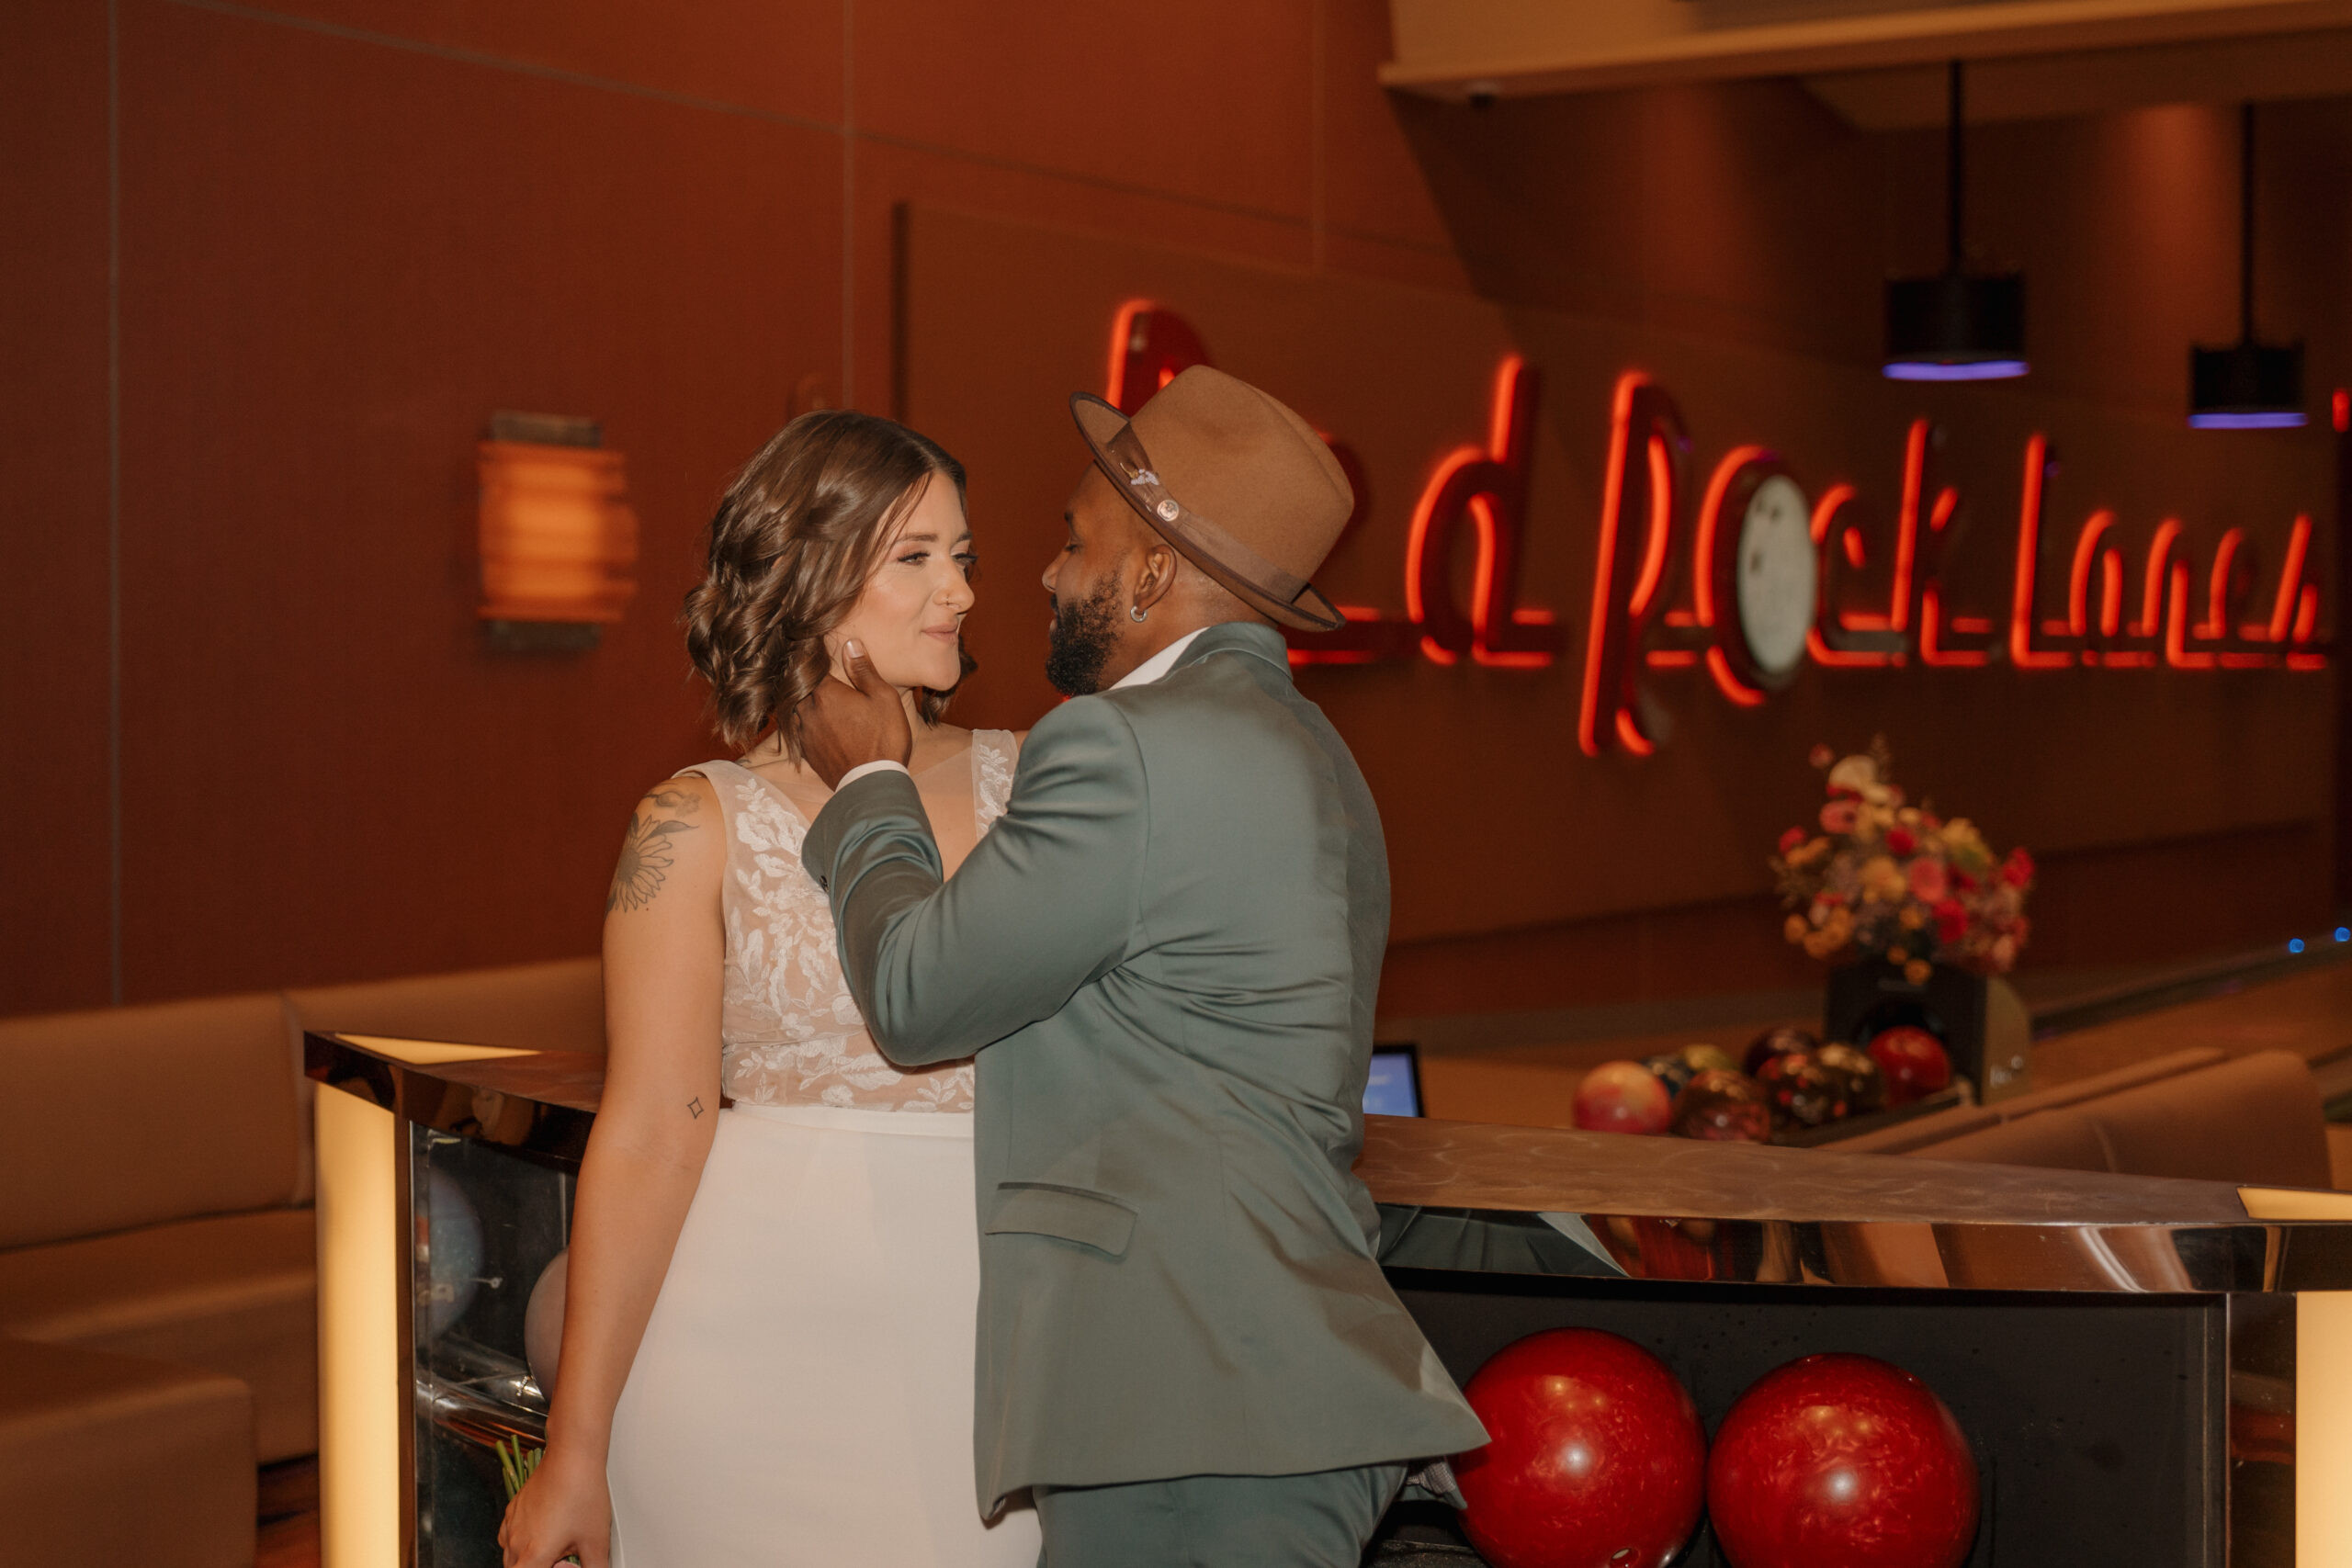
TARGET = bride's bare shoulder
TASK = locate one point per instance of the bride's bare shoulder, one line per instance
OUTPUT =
(689, 795)
(674, 841)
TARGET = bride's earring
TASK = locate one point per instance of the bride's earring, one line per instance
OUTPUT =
(1135, 614)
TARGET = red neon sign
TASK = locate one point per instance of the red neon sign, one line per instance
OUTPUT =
(1484, 488)
(1742, 469)
(2182, 623)
(1645, 437)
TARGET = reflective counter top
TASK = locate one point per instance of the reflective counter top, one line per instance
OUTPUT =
(1539, 1199)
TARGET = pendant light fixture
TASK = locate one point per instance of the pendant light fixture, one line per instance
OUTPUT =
(2248, 385)
(1953, 326)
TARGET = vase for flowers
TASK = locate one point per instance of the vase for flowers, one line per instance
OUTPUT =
(1980, 1017)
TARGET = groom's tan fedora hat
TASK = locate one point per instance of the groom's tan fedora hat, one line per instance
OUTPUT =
(1237, 483)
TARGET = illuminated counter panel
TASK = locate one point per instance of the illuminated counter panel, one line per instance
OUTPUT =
(2140, 1364)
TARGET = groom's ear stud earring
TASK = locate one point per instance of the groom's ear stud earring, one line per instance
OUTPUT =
(1136, 612)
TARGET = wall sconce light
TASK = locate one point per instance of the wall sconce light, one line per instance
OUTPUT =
(2248, 385)
(1955, 327)
(559, 541)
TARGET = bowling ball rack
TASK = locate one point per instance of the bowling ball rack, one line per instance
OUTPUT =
(2127, 1356)
(2096, 1426)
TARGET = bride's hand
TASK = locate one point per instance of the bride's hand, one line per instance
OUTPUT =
(564, 1509)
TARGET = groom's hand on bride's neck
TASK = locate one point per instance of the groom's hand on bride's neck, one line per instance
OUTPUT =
(847, 725)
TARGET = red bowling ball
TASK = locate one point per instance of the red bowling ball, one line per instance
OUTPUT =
(1597, 1457)
(1841, 1461)
(1621, 1097)
(1912, 1061)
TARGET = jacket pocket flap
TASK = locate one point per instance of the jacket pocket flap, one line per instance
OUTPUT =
(1072, 1213)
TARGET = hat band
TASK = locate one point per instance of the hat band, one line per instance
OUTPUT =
(1172, 516)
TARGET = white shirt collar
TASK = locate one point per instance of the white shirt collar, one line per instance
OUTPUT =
(1159, 663)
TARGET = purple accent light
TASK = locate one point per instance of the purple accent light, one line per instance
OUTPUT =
(2249, 418)
(1957, 371)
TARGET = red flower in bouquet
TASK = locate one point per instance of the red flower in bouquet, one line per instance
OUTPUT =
(1901, 841)
(2018, 870)
(1791, 838)
(1927, 879)
(1951, 921)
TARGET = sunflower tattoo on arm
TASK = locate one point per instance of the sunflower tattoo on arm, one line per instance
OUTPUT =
(647, 849)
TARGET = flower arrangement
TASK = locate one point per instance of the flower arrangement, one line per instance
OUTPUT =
(1885, 879)
(517, 1465)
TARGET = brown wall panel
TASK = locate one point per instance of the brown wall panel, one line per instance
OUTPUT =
(1266, 136)
(783, 56)
(53, 551)
(1371, 187)
(1210, 101)
(339, 259)
(887, 176)
(2099, 908)
(1738, 211)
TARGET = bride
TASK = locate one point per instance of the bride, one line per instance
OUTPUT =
(767, 1344)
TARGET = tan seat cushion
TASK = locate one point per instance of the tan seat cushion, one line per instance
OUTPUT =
(108, 1461)
(1916, 1131)
(127, 1116)
(2171, 1065)
(235, 1294)
(2256, 1120)
(2055, 1140)
(557, 1006)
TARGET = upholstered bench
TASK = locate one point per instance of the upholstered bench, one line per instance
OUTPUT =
(233, 1293)
(147, 1193)
(110, 1461)
(154, 1183)
(2255, 1120)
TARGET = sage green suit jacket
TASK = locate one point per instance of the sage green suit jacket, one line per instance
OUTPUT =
(1165, 955)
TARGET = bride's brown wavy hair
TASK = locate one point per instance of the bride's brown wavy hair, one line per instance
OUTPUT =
(804, 525)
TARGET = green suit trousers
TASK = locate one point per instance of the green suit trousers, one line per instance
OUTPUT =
(1319, 1520)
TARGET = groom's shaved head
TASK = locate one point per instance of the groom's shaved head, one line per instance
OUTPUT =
(1113, 564)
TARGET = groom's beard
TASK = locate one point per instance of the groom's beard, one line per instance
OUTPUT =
(1080, 645)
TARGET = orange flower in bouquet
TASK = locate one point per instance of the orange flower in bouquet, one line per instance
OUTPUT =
(1878, 877)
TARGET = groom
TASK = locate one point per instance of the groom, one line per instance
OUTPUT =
(1165, 955)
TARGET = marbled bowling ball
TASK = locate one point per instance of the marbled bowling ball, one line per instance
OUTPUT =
(543, 1322)
(1621, 1097)
(1722, 1107)
(1859, 1081)
(1781, 1040)
(1841, 1461)
(1670, 1070)
(1596, 1456)
(448, 1254)
(1912, 1062)
(1702, 1058)
(1800, 1093)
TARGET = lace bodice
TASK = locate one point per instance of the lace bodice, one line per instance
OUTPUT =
(790, 1034)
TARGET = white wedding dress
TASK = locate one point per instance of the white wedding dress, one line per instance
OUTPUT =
(803, 1395)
